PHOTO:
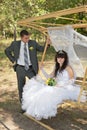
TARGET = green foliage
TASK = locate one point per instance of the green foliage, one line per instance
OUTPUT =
(13, 11)
(3, 45)
(50, 54)
(54, 5)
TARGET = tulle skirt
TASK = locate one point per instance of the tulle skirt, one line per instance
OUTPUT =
(41, 101)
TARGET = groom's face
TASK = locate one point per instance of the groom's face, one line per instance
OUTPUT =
(25, 38)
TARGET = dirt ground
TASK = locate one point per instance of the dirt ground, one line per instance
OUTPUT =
(70, 116)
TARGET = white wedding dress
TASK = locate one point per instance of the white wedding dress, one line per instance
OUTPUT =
(41, 100)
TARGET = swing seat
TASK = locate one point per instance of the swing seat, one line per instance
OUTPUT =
(79, 81)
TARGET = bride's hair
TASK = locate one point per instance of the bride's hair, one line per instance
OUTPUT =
(60, 54)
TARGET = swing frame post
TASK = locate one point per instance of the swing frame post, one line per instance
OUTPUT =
(82, 86)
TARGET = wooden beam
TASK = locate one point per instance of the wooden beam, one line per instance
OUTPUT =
(44, 30)
(71, 19)
(43, 23)
(39, 122)
(57, 13)
(82, 86)
(79, 25)
(36, 28)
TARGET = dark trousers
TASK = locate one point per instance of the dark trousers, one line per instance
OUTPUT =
(21, 77)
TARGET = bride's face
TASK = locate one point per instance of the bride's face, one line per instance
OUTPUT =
(60, 60)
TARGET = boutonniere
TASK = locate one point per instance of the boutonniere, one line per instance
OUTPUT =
(31, 48)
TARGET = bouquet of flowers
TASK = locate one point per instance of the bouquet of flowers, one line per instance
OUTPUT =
(51, 82)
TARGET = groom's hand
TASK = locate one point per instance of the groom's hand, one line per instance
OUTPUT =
(14, 66)
(48, 41)
(14, 62)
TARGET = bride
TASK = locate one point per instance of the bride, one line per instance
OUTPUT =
(40, 100)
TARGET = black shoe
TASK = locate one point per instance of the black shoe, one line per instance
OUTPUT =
(22, 111)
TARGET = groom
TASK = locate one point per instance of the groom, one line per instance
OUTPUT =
(23, 55)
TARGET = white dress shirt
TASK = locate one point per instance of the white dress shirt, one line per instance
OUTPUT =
(20, 60)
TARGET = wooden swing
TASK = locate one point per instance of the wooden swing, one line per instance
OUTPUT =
(40, 26)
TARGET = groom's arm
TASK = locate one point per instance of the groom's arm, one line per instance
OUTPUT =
(9, 52)
(41, 48)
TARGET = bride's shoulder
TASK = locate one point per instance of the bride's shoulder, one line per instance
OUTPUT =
(70, 71)
(69, 68)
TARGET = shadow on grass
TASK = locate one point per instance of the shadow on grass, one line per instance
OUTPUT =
(67, 118)
(11, 107)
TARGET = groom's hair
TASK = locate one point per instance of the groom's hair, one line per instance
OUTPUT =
(24, 32)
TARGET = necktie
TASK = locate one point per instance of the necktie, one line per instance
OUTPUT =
(26, 57)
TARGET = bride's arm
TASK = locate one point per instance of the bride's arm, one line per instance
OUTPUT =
(71, 75)
(51, 75)
(70, 72)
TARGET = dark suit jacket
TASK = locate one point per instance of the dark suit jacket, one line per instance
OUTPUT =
(13, 51)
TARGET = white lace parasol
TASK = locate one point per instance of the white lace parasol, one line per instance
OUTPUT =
(75, 44)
